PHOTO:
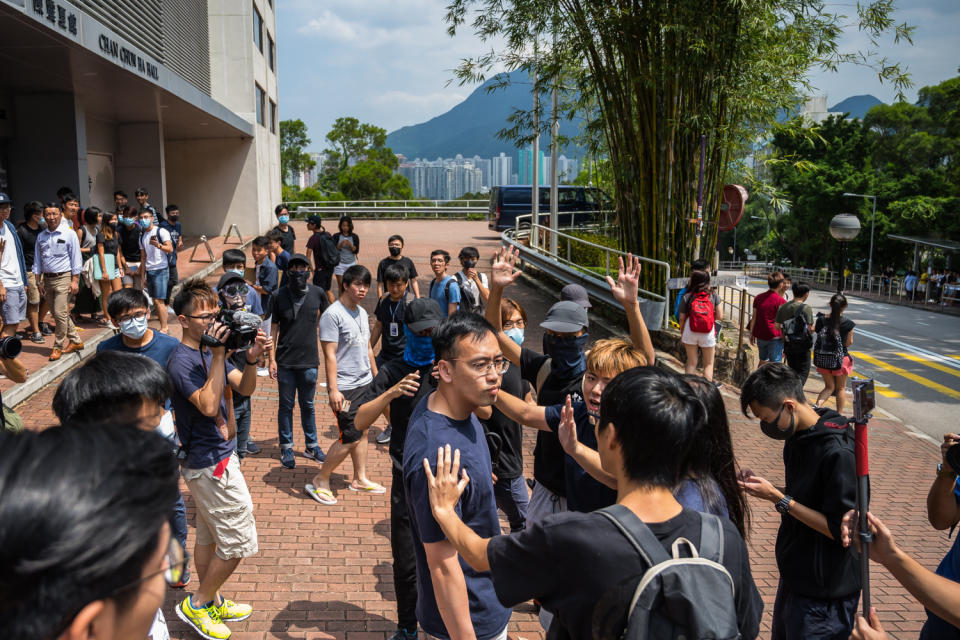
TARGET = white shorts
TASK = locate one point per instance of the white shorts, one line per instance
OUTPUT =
(341, 268)
(699, 339)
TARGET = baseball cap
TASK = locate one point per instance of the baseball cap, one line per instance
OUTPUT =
(576, 293)
(5, 199)
(315, 220)
(422, 313)
(227, 278)
(298, 257)
(565, 316)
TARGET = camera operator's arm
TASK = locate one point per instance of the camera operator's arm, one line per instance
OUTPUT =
(943, 510)
(207, 398)
(245, 383)
(13, 369)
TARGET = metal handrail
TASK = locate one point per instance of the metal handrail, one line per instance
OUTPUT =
(386, 204)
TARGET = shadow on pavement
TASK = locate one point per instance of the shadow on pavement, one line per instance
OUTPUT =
(334, 617)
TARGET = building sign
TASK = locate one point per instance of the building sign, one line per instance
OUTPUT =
(57, 15)
(130, 59)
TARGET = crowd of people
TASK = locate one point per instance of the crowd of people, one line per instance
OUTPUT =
(633, 524)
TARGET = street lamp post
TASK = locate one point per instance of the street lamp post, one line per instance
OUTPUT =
(844, 227)
(873, 221)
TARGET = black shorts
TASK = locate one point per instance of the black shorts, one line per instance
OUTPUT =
(348, 430)
(323, 278)
(172, 281)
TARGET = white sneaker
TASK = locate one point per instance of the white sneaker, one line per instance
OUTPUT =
(263, 372)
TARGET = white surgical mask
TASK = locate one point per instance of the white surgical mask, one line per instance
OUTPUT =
(239, 272)
(515, 334)
(134, 328)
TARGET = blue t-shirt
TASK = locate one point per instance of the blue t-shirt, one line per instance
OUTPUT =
(175, 231)
(426, 432)
(584, 493)
(676, 305)
(704, 496)
(158, 349)
(199, 435)
(439, 292)
(936, 627)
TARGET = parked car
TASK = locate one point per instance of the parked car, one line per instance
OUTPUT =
(576, 205)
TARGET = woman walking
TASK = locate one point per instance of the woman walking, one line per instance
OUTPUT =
(109, 263)
(835, 364)
(85, 301)
(699, 311)
(349, 245)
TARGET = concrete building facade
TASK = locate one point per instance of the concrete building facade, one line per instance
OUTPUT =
(177, 96)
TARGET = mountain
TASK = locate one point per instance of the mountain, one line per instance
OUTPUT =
(471, 127)
(856, 106)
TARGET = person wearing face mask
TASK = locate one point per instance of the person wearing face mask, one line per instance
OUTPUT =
(128, 230)
(172, 225)
(474, 288)
(288, 237)
(155, 245)
(819, 578)
(130, 310)
(395, 249)
(296, 309)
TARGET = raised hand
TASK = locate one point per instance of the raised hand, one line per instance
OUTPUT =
(503, 274)
(567, 430)
(624, 290)
(445, 489)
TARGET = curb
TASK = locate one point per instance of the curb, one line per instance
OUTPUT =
(39, 379)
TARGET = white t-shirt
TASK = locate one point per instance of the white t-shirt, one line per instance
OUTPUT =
(9, 263)
(471, 286)
(154, 257)
(351, 331)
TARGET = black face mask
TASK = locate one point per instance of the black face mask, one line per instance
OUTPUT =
(298, 279)
(469, 263)
(173, 218)
(771, 430)
(395, 251)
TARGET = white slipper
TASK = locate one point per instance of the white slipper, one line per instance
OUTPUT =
(374, 489)
(323, 496)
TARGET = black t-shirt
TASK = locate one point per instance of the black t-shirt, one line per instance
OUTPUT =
(548, 455)
(846, 326)
(28, 238)
(296, 319)
(404, 261)
(390, 314)
(510, 463)
(388, 375)
(584, 492)
(579, 564)
(129, 242)
(110, 246)
(287, 238)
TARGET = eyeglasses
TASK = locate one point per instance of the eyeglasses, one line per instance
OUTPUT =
(140, 315)
(175, 560)
(484, 366)
(206, 317)
(519, 324)
(235, 290)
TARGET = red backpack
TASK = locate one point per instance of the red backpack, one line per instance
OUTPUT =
(701, 313)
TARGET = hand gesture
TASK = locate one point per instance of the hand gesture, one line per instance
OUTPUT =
(406, 387)
(882, 547)
(261, 344)
(949, 439)
(624, 290)
(219, 332)
(567, 430)
(760, 488)
(502, 274)
(444, 488)
(336, 400)
(872, 630)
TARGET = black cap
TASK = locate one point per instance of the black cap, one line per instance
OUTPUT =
(5, 199)
(315, 220)
(298, 257)
(565, 316)
(422, 314)
(227, 278)
(576, 293)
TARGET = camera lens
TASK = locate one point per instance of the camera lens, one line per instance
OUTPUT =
(10, 347)
(953, 458)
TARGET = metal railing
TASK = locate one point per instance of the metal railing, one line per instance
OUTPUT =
(376, 209)
(534, 240)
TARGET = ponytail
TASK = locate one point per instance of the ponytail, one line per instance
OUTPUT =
(837, 304)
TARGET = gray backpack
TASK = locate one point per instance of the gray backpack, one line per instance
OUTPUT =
(678, 597)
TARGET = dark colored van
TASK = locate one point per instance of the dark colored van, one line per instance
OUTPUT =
(576, 205)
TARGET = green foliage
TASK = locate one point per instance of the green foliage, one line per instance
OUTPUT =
(359, 165)
(293, 141)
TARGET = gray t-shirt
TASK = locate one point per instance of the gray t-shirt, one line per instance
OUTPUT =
(351, 331)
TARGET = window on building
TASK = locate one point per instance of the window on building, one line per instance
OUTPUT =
(257, 29)
(273, 117)
(261, 98)
(271, 53)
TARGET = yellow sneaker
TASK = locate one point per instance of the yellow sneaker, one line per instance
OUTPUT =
(203, 620)
(233, 612)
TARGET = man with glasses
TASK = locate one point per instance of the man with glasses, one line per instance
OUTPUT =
(296, 310)
(83, 570)
(57, 265)
(203, 385)
(453, 600)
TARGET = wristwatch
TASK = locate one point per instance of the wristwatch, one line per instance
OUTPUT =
(783, 504)
(945, 472)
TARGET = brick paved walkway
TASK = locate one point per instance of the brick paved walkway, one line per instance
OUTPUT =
(325, 572)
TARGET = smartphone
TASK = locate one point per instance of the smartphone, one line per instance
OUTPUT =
(864, 398)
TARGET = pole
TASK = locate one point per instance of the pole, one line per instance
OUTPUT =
(863, 505)
(843, 261)
(743, 311)
(535, 146)
(554, 132)
(873, 222)
(703, 152)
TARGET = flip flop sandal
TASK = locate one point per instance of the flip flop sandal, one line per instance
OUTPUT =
(323, 496)
(374, 489)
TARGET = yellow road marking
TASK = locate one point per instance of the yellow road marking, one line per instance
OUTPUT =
(955, 357)
(930, 363)
(947, 391)
(883, 391)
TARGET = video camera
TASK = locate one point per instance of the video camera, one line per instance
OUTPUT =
(243, 329)
(10, 347)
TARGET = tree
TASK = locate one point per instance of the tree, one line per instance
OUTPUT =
(360, 165)
(293, 141)
(653, 77)
(352, 140)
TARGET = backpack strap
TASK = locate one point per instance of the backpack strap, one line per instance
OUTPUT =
(711, 537)
(543, 373)
(637, 533)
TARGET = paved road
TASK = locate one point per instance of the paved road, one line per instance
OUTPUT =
(914, 356)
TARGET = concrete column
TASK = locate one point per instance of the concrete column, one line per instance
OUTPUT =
(48, 149)
(139, 161)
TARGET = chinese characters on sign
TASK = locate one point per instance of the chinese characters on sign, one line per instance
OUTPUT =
(57, 14)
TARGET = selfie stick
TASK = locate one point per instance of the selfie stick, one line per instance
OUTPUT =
(863, 402)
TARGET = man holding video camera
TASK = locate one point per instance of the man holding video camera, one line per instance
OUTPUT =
(203, 386)
(943, 511)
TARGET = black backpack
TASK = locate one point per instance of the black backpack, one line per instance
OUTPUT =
(327, 254)
(796, 333)
(678, 596)
(828, 352)
(468, 302)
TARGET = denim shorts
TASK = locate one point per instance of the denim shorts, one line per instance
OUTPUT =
(15, 306)
(770, 350)
(157, 283)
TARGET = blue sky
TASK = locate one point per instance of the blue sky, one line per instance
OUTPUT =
(388, 62)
